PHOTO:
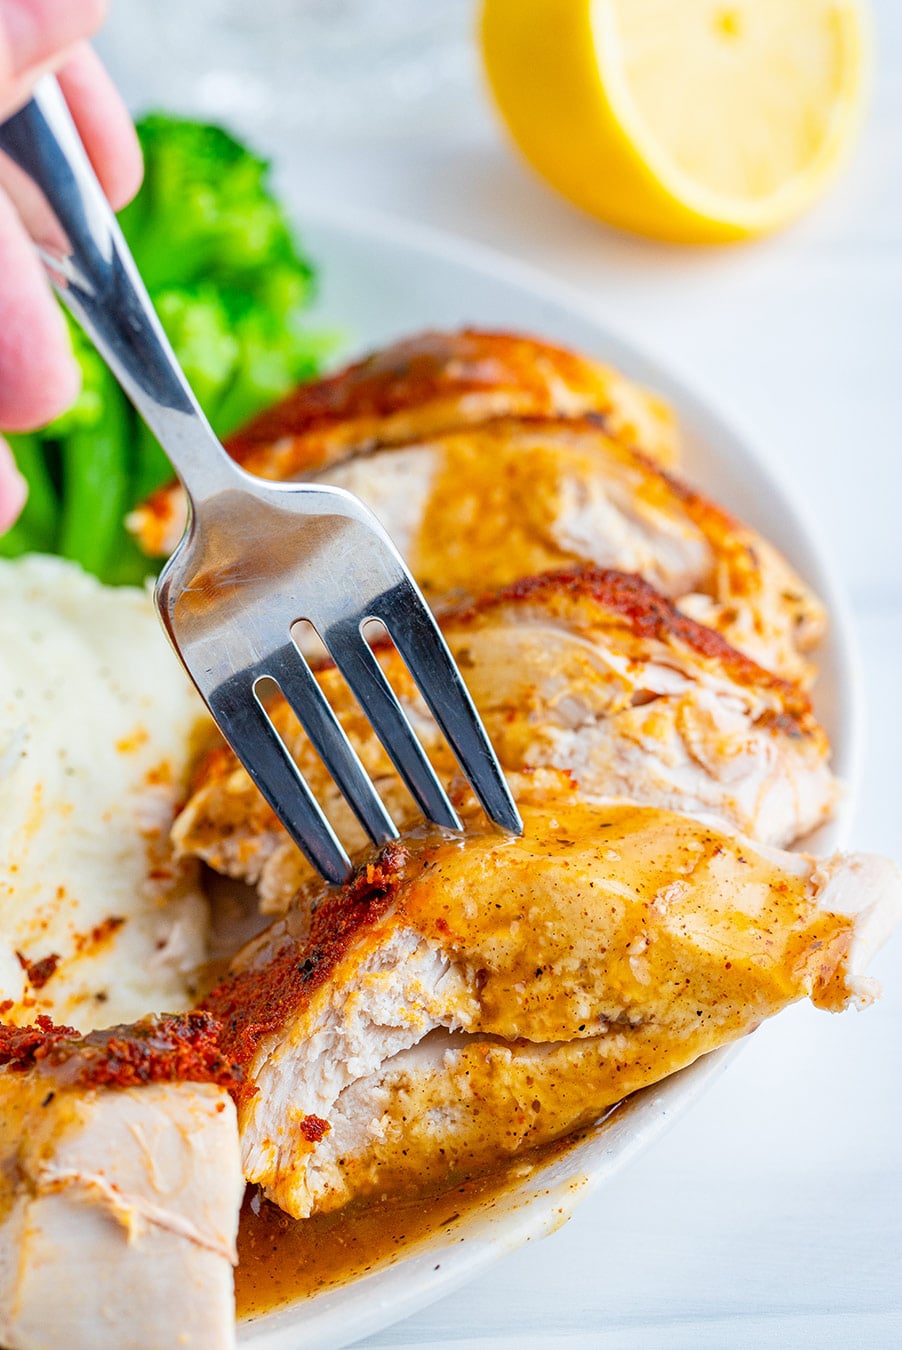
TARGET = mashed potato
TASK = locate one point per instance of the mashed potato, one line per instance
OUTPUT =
(97, 924)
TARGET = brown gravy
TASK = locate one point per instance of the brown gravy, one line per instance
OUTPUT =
(283, 1260)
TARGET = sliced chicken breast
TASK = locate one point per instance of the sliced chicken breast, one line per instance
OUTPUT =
(419, 387)
(514, 498)
(609, 946)
(120, 1187)
(586, 671)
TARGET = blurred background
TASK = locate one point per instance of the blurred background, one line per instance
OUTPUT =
(728, 1235)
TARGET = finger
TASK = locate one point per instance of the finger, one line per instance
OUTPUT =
(13, 489)
(104, 125)
(33, 32)
(39, 376)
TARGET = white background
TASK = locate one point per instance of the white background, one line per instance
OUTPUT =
(772, 1214)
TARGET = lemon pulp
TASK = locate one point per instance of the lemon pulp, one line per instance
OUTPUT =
(683, 119)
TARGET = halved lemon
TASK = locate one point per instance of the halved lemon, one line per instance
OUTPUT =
(689, 120)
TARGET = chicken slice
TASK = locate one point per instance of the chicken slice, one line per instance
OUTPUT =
(423, 386)
(585, 671)
(119, 1189)
(513, 498)
(608, 947)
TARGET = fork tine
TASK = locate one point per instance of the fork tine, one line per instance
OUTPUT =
(296, 680)
(246, 725)
(353, 657)
(420, 642)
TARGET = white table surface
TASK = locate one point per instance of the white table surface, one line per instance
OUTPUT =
(772, 1214)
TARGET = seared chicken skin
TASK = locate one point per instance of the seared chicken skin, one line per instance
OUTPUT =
(609, 946)
(586, 671)
(120, 1186)
(421, 387)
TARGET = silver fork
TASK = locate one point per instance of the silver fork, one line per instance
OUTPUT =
(257, 557)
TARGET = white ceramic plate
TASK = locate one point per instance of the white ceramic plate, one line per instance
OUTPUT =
(381, 279)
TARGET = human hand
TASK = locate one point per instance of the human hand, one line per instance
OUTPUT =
(39, 377)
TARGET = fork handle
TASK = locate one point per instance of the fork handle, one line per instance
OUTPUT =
(95, 275)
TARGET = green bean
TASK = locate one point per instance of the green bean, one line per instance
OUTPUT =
(36, 529)
(96, 483)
